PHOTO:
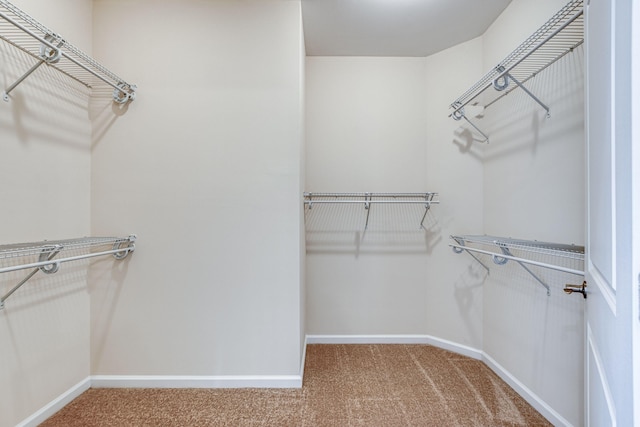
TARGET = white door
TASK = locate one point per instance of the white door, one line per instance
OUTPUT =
(612, 255)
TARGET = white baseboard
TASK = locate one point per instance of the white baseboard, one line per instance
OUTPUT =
(540, 405)
(396, 339)
(56, 404)
(202, 381)
(196, 381)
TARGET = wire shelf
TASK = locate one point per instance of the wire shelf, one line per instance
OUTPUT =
(559, 36)
(424, 200)
(17, 250)
(47, 47)
(546, 248)
(46, 256)
(563, 257)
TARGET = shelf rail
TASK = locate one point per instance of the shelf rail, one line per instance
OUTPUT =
(505, 246)
(47, 47)
(559, 36)
(369, 199)
(42, 255)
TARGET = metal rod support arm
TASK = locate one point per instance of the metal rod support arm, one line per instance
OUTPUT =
(5, 94)
(528, 92)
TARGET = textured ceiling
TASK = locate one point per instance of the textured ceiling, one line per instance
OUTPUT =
(393, 27)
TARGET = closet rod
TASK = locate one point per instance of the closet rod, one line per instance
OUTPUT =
(497, 257)
(120, 251)
(367, 198)
(420, 202)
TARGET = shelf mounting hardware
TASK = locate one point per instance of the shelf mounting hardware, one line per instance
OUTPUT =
(428, 199)
(367, 206)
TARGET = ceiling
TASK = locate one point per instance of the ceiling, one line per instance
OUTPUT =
(393, 27)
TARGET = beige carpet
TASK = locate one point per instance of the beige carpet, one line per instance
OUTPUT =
(344, 385)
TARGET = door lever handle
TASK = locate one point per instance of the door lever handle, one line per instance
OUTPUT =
(569, 289)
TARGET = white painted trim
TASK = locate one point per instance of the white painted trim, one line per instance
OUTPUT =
(540, 405)
(602, 375)
(196, 381)
(56, 404)
(304, 358)
(396, 339)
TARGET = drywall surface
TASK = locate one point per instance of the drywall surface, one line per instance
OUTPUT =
(205, 167)
(454, 167)
(366, 132)
(45, 170)
(372, 124)
(534, 189)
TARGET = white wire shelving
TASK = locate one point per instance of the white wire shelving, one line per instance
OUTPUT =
(49, 48)
(46, 256)
(370, 199)
(559, 36)
(523, 252)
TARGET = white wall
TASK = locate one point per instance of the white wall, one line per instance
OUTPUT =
(534, 189)
(205, 167)
(365, 132)
(377, 125)
(45, 168)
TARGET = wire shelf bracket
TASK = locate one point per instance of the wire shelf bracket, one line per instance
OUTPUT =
(47, 251)
(504, 245)
(369, 199)
(49, 48)
(559, 36)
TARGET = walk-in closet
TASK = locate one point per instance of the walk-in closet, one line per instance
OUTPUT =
(326, 212)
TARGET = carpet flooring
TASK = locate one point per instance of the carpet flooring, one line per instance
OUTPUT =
(344, 385)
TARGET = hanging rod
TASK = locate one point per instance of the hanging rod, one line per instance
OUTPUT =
(368, 199)
(49, 48)
(559, 36)
(505, 245)
(46, 251)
